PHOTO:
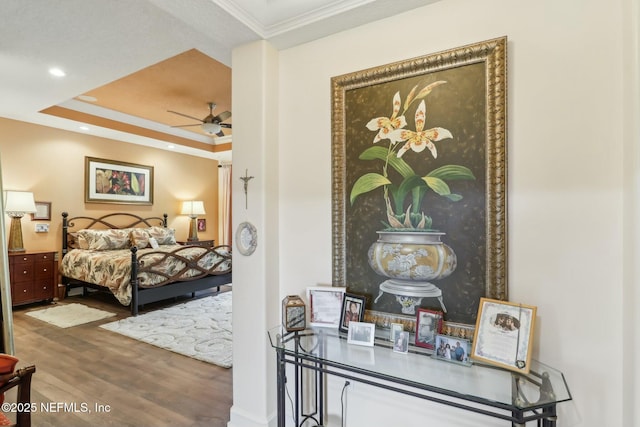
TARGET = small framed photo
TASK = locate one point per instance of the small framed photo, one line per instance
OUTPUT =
(361, 333)
(352, 311)
(325, 305)
(395, 329)
(401, 343)
(43, 212)
(202, 224)
(428, 326)
(453, 349)
(504, 334)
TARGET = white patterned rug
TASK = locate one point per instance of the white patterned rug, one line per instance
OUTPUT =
(68, 315)
(200, 329)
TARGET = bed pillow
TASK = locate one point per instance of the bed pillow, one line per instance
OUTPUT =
(139, 238)
(164, 236)
(105, 240)
(77, 242)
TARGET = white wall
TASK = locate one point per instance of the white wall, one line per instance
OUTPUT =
(569, 129)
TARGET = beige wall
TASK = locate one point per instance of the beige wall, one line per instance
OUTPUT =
(50, 163)
(573, 180)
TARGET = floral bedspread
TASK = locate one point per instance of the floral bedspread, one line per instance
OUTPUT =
(112, 268)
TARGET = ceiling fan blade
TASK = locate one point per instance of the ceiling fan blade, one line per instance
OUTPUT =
(225, 125)
(185, 126)
(220, 133)
(222, 116)
(184, 115)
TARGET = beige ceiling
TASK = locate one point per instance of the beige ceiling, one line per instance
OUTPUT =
(185, 83)
(140, 59)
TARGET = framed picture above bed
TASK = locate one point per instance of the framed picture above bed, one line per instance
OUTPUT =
(111, 181)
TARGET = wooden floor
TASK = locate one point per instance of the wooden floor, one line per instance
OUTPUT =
(113, 380)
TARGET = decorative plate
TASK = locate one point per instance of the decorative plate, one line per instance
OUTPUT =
(246, 238)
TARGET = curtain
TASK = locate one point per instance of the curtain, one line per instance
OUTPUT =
(224, 204)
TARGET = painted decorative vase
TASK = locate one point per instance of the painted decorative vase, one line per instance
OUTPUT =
(411, 260)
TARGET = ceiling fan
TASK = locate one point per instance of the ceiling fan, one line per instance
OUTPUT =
(211, 125)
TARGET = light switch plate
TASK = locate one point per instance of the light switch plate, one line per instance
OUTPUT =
(42, 228)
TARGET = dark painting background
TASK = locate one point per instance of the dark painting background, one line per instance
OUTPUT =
(459, 106)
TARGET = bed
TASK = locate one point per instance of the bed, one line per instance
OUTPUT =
(118, 252)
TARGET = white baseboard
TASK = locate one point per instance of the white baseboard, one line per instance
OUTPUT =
(242, 418)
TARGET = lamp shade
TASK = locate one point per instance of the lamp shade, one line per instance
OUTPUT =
(193, 208)
(19, 203)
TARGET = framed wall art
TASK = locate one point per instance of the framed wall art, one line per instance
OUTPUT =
(504, 334)
(419, 182)
(110, 181)
(43, 212)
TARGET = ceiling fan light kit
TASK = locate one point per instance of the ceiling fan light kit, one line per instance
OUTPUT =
(211, 128)
(211, 125)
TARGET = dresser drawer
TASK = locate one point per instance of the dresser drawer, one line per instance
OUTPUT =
(43, 269)
(23, 273)
(22, 292)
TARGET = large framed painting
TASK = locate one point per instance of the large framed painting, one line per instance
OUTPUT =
(419, 183)
(109, 181)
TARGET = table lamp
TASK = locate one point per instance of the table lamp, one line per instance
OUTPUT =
(193, 208)
(16, 204)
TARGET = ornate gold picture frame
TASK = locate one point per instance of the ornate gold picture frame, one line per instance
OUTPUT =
(421, 144)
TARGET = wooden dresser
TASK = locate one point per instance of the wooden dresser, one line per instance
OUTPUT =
(33, 276)
(205, 243)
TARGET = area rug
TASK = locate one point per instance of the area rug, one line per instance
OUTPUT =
(68, 315)
(200, 329)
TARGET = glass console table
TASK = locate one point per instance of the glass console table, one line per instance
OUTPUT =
(479, 388)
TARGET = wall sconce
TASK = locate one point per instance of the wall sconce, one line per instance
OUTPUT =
(16, 205)
(193, 208)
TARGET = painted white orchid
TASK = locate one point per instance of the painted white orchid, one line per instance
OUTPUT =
(386, 125)
(420, 139)
(393, 129)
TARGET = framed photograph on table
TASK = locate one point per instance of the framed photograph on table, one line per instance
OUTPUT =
(325, 305)
(396, 328)
(361, 333)
(352, 311)
(401, 342)
(453, 349)
(504, 334)
(428, 326)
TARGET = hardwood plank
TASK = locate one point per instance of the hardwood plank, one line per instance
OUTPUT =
(141, 385)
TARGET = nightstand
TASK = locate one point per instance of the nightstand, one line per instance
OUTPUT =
(33, 276)
(204, 243)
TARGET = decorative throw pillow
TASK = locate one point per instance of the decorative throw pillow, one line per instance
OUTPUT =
(78, 241)
(164, 236)
(139, 238)
(105, 240)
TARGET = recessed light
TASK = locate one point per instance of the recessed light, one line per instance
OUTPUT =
(171, 147)
(87, 98)
(57, 72)
(84, 127)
